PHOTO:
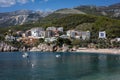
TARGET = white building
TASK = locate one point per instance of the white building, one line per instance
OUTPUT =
(10, 38)
(49, 34)
(37, 32)
(85, 35)
(76, 34)
(64, 36)
(51, 28)
(102, 34)
(71, 33)
(60, 29)
(118, 39)
(52, 39)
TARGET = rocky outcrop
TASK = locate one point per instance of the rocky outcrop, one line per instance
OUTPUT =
(50, 48)
(7, 48)
(43, 47)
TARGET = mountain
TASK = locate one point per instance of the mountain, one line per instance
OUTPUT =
(20, 17)
(69, 11)
(112, 11)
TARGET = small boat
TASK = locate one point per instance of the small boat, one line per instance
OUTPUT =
(25, 55)
(57, 56)
(32, 65)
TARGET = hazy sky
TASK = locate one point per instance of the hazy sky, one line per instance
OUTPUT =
(46, 5)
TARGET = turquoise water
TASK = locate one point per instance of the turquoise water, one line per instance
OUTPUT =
(69, 66)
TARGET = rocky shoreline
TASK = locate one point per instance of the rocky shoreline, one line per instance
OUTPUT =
(51, 48)
(7, 48)
(4, 47)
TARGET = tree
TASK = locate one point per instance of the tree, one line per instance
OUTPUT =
(76, 42)
(61, 41)
(2, 38)
(41, 40)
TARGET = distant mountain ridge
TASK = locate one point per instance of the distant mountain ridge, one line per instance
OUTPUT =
(20, 17)
(112, 11)
(69, 11)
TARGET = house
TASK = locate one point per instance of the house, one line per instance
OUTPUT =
(60, 29)
(64, 36)
(49, 34)
(71, 33)
(51, 29)
(52, 39)
(37, 32)
(116, 40)
(10, 38)
(78, 34)
(85, 35)
(102, 34)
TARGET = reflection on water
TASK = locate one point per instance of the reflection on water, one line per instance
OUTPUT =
(69, 66)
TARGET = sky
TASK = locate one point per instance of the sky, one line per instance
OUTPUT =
(48, 5)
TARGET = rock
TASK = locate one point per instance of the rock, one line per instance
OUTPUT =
(51, 48)
(65, 48)
(4, 47)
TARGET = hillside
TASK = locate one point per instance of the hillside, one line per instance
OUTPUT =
(76, 21)
(69, 11)
(90, 18)
(112, 11)
(20, 17)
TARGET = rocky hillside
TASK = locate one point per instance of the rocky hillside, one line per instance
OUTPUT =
(69, 11)
(27, 16)
(112, 11)
(20, 17)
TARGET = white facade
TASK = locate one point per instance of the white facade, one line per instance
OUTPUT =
(102, 34)
(52, 39)
(9, 38)
(48, 34)
(71, 33)
(37, 32)
(51, 28)
(76, 34)
(118, 39)
(60, 29)
(85, 35)
(64, 36)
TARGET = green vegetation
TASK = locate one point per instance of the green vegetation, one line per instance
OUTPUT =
(2, 38)
(74, 21)
(61, 41)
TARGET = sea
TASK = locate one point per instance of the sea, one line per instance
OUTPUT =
(59, 66)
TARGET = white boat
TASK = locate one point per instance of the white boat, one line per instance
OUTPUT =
(25, 55)
(57, 56)
(32, 65)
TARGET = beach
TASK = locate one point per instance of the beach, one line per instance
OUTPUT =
(104, 51)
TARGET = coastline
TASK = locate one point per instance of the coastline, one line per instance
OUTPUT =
(85, 50)
(55, 48)
(99, 51)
